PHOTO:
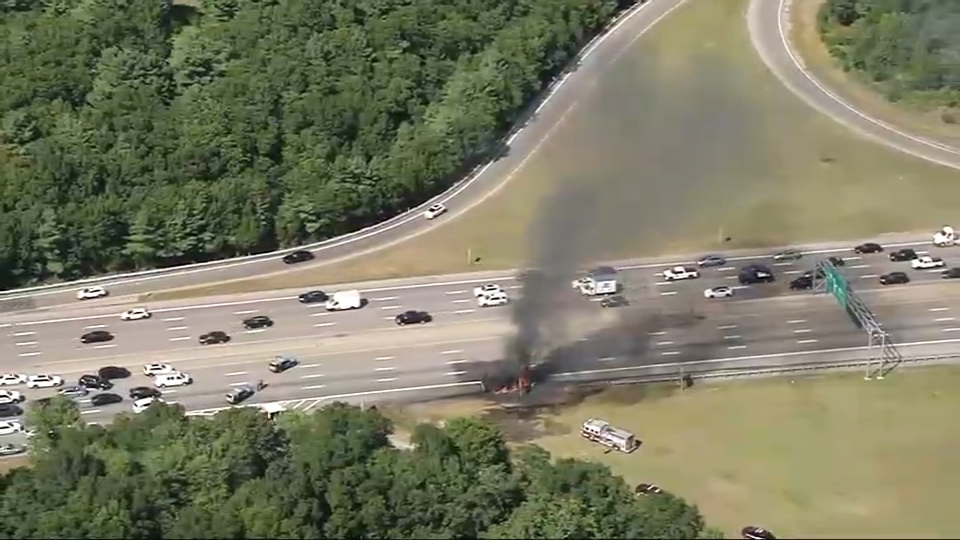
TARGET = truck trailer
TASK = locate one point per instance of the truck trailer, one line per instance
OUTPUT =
(344, 300)
(599, 281)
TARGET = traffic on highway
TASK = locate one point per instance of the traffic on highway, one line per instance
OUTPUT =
(160, 352)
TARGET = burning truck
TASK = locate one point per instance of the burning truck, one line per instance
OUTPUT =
(516, 376)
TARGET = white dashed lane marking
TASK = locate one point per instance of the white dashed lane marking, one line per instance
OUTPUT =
(390, 307)
(941, 319)
(181, 338)
(23, 334)
(939, 309)
(455, 292)
(236, 373)
(455, 373)
(386, 298)
(245, 312)
(391, 379)
(173, 319)
(324, 324)
(385, 368)
(669, 353)
(383, 358)
(25, 343)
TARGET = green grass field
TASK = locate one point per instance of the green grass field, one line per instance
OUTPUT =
(688, 135)
(807, 43)
(821, 457)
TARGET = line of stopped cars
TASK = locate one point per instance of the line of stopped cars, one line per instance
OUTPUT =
(760, 273)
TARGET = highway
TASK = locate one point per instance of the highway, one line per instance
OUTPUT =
(768, 22)
(363, 352)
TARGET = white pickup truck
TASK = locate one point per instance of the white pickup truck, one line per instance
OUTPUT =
(924, 263)
(680, 272)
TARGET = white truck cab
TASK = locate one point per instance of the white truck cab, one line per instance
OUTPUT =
(945, 237)
(599, 281)
(344, 300)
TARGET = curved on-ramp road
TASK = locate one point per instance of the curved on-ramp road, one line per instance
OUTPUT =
(767, 23)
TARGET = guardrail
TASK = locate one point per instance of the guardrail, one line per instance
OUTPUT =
(662, 373)
(378, 228)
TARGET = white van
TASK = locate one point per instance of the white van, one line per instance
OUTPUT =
(172, 379)
(141, 405)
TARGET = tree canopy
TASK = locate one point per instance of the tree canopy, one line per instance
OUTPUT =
(330, 474)
(910, 48)
(151, 133)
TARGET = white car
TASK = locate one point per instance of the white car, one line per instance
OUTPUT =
(141, 405)
(43, 381)
(493, 300)
(680, 272)
(10, 396)
(158, 369)
(489, 288)
(923, 263)
(435, 211)
(88, 293)
(12, 379)
(718, 292)
(172, 379)
(135, 314)
(9, 427)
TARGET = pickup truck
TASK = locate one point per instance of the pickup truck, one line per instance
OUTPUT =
(680, 272)
(924, 263)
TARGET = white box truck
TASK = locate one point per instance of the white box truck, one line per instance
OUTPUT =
(342, 300)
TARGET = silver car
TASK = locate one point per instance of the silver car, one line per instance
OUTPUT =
(788, 255)
(74, 391)
(711, 260)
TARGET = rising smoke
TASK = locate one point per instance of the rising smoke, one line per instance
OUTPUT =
(640, 174)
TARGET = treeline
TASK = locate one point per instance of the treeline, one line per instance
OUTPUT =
(145, 133)
(910, 48)
(330, 474)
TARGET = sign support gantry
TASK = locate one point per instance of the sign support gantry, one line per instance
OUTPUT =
(883, 355)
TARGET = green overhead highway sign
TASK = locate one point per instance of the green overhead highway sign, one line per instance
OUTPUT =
(836, 285)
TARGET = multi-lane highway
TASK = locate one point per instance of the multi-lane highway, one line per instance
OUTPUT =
(364, 352)
(767, 22)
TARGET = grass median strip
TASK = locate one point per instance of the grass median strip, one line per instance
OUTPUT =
(792, 174)
(830, 456)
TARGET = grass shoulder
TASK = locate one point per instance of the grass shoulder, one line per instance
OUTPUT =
(867, 459)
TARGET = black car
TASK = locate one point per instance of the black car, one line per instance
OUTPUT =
(869, 247)
(648, 489)
(214, 338)
(905, 254)
(802, 283)
(9, 409)
(94, 381)
(100, 400)
(260, 321)
(952, 273)
(614, 301)
(239, 394)
(756, 533)
(755, 273)
(413, 317)
(297, 257)
(141, 392)
(894, 278)
(110, 373)
(312, 297)
(97, 336)
(711, 260)
(282, 363)
(836, 261)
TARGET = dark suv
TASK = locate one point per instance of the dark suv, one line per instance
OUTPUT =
(312, 297)
(95, 382)
(214, 338)
(260, 321)
(905, 254)
(141, 392)
(413, 317)
(755, 273)
(952, 273)
(869, 247)
(802, 283)
(9, 409)
(97, 336)
(297, 257)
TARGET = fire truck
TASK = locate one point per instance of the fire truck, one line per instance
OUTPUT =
(600, 431)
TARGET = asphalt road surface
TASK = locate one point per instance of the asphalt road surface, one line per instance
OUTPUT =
(363, 352)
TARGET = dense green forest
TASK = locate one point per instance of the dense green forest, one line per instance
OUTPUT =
(330, 474)
(909, 48)
(145, 133)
